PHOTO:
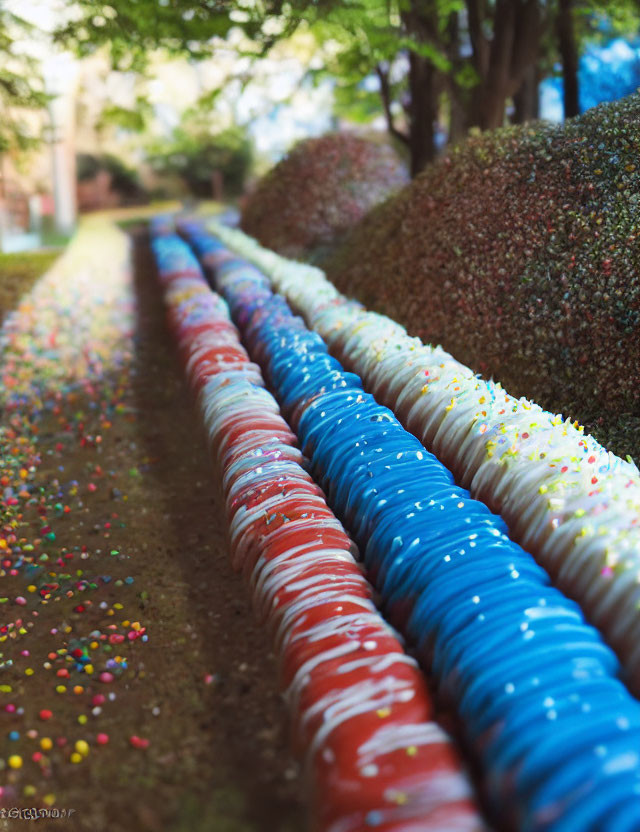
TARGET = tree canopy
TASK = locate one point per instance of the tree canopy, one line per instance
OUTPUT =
(416, 62)
(20, 85)
(133, 29)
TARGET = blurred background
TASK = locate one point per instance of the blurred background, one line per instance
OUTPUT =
(121, 103)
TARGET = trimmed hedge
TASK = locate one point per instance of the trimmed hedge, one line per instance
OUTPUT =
(319, 191)
(520, 253)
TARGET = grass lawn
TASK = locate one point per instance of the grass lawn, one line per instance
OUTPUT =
(18, 273)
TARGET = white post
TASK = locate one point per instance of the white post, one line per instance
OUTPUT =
(59, 76)
(3, 184)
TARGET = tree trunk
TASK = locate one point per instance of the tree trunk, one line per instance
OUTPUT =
(423, 112)
(526, 102)
(382, 71)
(420, 19)
(457, 95)
(569, 55)
(458, 117)
(501, 61)
(495, 92)
(493, 105)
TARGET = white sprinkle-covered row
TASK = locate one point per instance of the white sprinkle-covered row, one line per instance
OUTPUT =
(566, 499)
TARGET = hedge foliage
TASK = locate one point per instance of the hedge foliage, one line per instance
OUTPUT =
(520, 253)
(323, 187)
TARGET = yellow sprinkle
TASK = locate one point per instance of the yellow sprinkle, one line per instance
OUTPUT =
(29, 791)
(82, 719)
(118, 606)
(82, 746)
(49, 799)
(46, 744)
(15, 761)
(5, 688)
(88, 668)
(61, 688)
(31, 588)
(412, 750)
(76, 758)
(383, 712)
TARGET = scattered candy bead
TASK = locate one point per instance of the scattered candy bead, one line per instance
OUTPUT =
(70, 338)
(82, 747)
(138, 742)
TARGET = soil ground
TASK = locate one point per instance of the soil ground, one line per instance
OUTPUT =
(203, 688)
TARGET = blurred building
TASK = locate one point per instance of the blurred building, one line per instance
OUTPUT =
(39, 190)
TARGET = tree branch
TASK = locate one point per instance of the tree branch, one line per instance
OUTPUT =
(385, 95)
(479, 42)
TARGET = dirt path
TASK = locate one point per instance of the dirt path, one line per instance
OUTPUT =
(202, 689)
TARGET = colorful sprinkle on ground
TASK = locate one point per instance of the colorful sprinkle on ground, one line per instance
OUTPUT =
(125, 694)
